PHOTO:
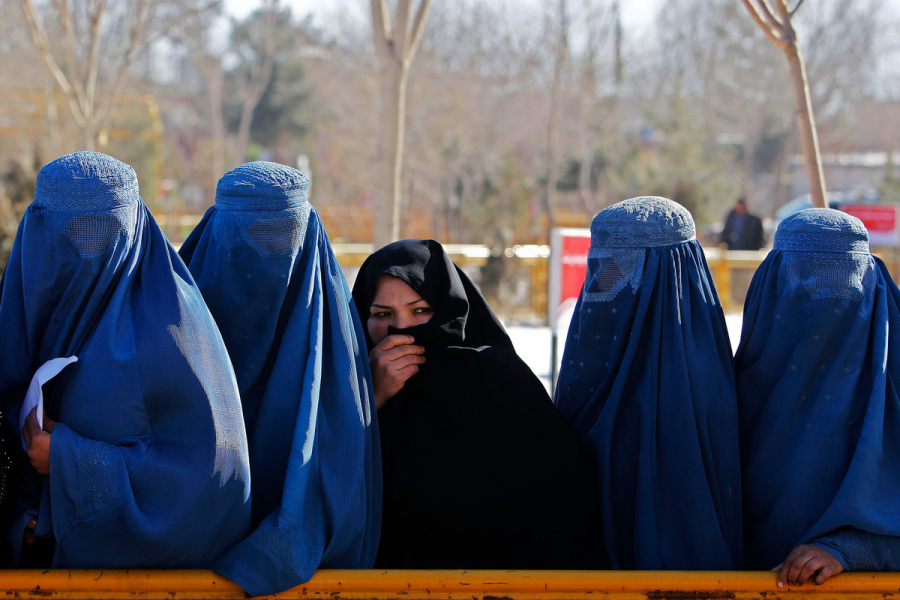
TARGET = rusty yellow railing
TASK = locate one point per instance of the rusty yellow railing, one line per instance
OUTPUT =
(469, 585)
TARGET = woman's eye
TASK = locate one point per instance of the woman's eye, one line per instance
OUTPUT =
(423, 311)
(381, 314)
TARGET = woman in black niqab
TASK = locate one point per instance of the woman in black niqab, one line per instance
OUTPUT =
(480, 471)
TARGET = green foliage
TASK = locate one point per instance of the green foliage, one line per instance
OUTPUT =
(676, 159)
(282, 114)
(500, 205)
(283, 109)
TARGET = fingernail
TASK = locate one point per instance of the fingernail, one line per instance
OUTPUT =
(781, 585)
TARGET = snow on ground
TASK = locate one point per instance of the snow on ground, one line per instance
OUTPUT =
(533, 343)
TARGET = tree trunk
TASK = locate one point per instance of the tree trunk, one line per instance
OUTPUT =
(243, 137)
(394, 77)
(808, 136)
(88, 137)
(214, 85)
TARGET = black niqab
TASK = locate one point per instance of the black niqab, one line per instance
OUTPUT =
(480, 471)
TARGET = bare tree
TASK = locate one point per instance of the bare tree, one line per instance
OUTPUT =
(558, 98)
(396, 41)
(89, 79)
(598, 23)
(779, 28)
(214, 79)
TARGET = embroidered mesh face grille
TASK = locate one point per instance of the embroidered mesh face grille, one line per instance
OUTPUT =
(609, 270)
(605, 277)
(273, 234)
(831, 275)
(274, 237)
(91, 235)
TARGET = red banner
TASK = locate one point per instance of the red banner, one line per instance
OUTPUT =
(880, 220)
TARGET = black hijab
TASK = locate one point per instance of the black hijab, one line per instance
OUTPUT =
(462, 317)
(480, 471)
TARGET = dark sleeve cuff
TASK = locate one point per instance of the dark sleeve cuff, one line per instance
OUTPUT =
(858, 550)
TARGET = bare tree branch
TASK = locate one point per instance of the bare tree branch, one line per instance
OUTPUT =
(96, 17)
(151, 37)
(39, 37)
(65, 17)
(418, 26)
(772, 35)
(796, 8)
(769, 15)
(136, 33)
(400, 29)
(381, 33)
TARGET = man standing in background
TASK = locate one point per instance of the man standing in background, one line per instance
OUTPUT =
(743, 231)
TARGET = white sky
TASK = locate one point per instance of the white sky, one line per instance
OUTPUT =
(634, 12)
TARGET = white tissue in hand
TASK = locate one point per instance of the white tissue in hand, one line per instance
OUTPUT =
(35, 396)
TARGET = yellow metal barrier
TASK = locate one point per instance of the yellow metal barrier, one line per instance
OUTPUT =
(732, 271)
(468, 585)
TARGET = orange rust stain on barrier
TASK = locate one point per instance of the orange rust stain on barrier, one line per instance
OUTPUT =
(446, 585)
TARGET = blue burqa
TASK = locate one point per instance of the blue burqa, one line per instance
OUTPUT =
(148, 459)
(819, 408)
(647, 384)
(266, 269)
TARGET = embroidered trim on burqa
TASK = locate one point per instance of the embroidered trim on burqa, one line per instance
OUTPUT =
(97, 460)
(609, 270)
(262, 186)
(822, 230)
(86, 181)
(620, 236)
(277, 542)
(850, 543)
(644, 222)
(267, 206)
(827, 253)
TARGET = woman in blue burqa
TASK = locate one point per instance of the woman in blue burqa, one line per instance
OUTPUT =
(142, 436)
(267, 271)
(819, 407)
(480, 471)
(647, 384)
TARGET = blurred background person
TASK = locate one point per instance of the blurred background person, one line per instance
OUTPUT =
(743, 230)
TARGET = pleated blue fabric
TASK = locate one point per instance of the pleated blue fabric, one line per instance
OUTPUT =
(267, 271)
(148, 459)
(819, 407)
(647, 384)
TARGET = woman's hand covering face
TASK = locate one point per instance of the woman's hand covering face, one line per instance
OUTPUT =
(395, 358)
